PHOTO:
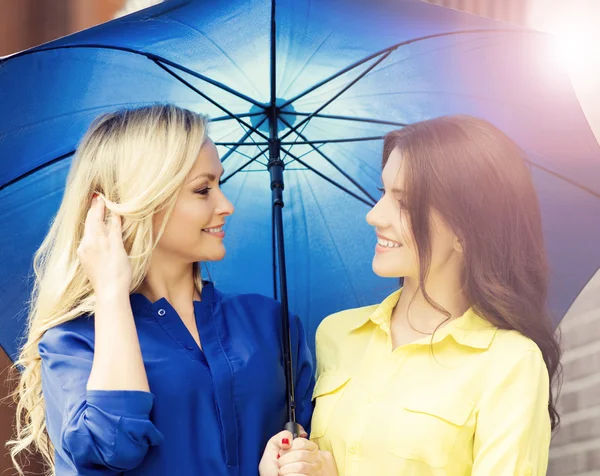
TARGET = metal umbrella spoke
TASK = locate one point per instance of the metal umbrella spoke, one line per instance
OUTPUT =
(242, 167)
(337, 95)
(242, 141)
(346, 118)
(330, 180)
(151, 56)
(229, 118)
(37, 169)
(332, 163)
(298, 136)
(391, 48)
(212, 101)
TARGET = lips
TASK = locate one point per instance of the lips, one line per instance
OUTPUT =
(385, 242)
(216, 229)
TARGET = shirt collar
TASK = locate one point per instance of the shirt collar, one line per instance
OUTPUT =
(140, 304)
(470, 329)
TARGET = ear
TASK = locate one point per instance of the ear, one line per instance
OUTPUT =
(458, 247)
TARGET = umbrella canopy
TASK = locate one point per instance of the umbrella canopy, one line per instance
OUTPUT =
(345, 74)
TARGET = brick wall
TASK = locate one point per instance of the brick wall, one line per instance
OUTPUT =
(576, 445)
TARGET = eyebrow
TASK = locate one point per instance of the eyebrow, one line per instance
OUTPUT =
(209, 176)
(396, 190)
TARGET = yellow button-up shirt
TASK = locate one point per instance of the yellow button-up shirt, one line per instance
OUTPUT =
(471, 400)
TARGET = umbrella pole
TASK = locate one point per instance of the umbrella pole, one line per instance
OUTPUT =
(276, 167)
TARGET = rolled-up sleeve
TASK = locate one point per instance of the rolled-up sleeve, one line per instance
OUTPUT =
(305, 378)
(97, 431)
(513, 424)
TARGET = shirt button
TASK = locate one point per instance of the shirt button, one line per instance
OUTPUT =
(353, 449)
(370, 399)
(528, 472)
(161, 312)
(189, 347)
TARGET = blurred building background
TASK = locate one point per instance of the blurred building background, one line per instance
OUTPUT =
(576, 446)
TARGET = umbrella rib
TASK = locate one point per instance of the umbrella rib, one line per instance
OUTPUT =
(332, 141)
(298, 135)
(348, 86)
(348, 118)
(303, 142)
(37, 169)
(212, 101)
(398, 45)
(229, 118)
(242, 144)
(239, 169)
(562, 177)
(331, 181)
(241, 141)
(331, 162)
(150, 56)
(238, 152)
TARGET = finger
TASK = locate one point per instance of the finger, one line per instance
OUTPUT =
(116, 225)
(300, 456)
(300, 444)
(281, 441)
(328, 462)
(303, 433)
(302, 468)
(304, 444)
(90, 227)
(94, 222)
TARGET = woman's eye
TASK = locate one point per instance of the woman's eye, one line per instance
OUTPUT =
(203, 191)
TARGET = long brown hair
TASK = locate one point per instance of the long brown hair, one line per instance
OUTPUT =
(476, 178)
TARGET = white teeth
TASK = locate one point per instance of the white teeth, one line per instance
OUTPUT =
(387, 243)
(214, 230)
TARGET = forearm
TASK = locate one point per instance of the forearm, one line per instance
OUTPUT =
(118, 363)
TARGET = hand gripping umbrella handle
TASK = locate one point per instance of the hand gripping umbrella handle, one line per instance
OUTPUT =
(293, 428)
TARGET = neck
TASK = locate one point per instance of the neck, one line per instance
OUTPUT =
(170, 279)
(443, 288)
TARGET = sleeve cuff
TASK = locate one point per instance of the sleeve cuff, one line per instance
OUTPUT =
(127, 403)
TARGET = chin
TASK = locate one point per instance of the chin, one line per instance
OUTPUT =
(387, 270)
(216, 255)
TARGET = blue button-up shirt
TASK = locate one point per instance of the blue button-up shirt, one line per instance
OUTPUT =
(209, 412)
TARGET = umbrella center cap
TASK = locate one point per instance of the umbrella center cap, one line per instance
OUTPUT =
(288, 114)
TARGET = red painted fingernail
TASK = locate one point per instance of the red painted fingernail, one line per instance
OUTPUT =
(95, 196)
(285, 441)
(278, 456)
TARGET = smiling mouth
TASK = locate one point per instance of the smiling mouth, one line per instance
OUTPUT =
(214, 231)
(385, 243)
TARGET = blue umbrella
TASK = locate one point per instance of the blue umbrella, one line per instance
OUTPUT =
(312, 88)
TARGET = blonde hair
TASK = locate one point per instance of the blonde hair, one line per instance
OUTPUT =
(137, 160)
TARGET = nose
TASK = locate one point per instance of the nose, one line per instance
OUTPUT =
(224, 207)
(375, 217)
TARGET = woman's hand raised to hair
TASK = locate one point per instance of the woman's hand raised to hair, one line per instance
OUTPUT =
(101, 252)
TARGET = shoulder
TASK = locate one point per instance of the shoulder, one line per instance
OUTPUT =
(341, 323)
(69, 337)
(512, 345)
(248, 306)
(263, 311)
(337, 345)
(512, 354)
(249, 302)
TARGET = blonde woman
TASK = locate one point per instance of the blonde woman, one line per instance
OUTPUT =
(451, 375)
(133, 364)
